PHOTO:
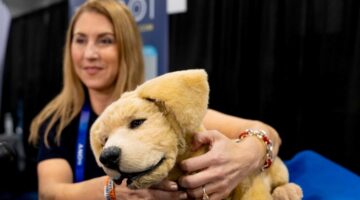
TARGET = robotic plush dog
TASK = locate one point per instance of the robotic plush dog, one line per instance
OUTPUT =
(143, 136)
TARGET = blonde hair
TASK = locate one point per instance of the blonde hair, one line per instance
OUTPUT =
(67, 104)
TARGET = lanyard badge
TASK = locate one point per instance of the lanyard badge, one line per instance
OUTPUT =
(81, 143)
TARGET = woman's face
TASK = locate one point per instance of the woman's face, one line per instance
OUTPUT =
(94, 52)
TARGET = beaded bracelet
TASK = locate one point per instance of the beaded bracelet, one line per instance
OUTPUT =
(109, 189)
(261, 134)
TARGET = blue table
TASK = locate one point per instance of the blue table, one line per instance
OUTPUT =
(323, 179)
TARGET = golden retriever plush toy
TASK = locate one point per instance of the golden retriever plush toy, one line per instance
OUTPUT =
(145, 134)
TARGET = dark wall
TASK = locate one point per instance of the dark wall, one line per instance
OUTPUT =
(32, 76)
(292, 64)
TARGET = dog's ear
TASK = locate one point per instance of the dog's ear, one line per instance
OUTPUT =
(184, 93)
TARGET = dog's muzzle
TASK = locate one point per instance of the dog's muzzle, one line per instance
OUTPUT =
(110, 157)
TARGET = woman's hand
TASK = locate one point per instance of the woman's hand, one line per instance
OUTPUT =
(164, 190)
(219, 171)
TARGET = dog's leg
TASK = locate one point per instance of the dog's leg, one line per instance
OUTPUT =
(256, 187)
(281, 188)
(289, 191)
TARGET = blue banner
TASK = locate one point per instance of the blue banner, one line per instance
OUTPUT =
(152, 19)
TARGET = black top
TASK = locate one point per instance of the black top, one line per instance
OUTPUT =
(67, 148)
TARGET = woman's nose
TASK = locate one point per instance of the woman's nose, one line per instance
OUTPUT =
(91, 51)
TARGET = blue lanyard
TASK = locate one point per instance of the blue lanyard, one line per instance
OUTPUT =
(81, 143)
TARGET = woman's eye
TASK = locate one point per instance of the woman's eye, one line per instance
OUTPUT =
(106, 41)
(79, 40)
(136, 123)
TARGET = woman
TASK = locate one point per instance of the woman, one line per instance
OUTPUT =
(102, 59)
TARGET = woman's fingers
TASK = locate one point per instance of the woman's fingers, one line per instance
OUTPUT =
(196, 179)
(212, 190)
(203, 161)
(166, 185)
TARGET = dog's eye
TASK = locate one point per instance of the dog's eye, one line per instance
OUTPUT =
(104, 140)
(136, 123)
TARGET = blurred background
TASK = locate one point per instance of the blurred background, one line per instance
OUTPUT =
(292, 64)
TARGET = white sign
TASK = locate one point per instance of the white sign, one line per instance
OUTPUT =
(176, 6)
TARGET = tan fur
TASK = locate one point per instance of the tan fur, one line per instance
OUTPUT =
(174, 106)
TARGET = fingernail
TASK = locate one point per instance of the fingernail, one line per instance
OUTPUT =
(183, 195)
(173, 186)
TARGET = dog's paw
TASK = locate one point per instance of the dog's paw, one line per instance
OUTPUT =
(289, 191)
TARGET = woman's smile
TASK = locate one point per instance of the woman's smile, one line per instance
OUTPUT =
(92, 70)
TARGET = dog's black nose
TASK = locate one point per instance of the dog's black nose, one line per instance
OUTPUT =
(110, 157)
